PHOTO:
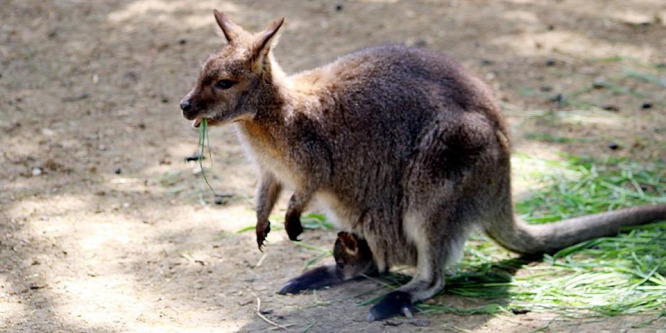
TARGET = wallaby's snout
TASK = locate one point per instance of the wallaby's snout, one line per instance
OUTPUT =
(191, 109)
(186, 105)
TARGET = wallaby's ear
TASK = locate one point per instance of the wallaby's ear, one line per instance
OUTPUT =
(265, 40)
(230, 29)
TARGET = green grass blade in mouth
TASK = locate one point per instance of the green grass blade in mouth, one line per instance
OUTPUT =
(203, 138)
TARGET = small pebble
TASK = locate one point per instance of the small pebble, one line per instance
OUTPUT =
(182, 41)
(599, 83)
(421, 43)
(194, 158)
(392, 323)
(612, 108)
(37, 171)
(420, 322)
(520, 311)
(165, 100)
(550, 62)
(559, 99)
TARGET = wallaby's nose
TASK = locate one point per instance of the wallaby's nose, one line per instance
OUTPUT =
(186, 105)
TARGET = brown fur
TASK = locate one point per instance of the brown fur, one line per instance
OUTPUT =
(401, 146)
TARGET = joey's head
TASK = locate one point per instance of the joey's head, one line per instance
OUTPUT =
(352, 255)
(236, 81)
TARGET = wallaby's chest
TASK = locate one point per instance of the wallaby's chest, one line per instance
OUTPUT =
(270, 154)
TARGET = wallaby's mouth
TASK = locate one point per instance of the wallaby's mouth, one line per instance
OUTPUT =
(197, 122)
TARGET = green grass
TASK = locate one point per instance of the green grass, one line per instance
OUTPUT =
(203, 142)
(612, 276)
(660, 81)
(545, 137)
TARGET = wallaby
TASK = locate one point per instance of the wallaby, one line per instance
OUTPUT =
(401, 146)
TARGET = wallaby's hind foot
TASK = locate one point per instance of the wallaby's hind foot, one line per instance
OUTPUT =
(315, 278)
(393, 304)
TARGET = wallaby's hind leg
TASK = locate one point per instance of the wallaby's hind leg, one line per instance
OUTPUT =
(434, 251)
(352, 257)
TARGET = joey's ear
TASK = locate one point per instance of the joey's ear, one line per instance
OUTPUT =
(348, 240)
(230, 29)
(265, 40)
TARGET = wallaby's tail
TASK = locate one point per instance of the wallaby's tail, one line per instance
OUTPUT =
(524, 238)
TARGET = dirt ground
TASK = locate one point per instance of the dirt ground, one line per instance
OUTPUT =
(102, 226)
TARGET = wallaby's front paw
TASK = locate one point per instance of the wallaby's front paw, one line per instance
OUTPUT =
(394, 303)
(293, 226)
(263, 228)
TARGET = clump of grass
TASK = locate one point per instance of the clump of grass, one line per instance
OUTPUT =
(594, 187)
(661, 81)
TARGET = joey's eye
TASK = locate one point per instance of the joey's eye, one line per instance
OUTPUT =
(224, 84)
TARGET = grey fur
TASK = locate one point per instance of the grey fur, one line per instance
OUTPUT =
(403, 147)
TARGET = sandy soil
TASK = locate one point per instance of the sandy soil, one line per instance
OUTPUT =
(102, 226)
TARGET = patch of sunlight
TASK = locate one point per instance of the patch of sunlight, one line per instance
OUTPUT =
(527, 168)
(592, 117)
(571, 43)
(123, 306)
(55, 205)
(100, 234)
(231, 219)
(521, 1)
(632, 17)
(522, 16)
(379, 1)
(161, 10)
(12, 311)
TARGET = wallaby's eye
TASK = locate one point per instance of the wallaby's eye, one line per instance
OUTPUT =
(224, 84)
